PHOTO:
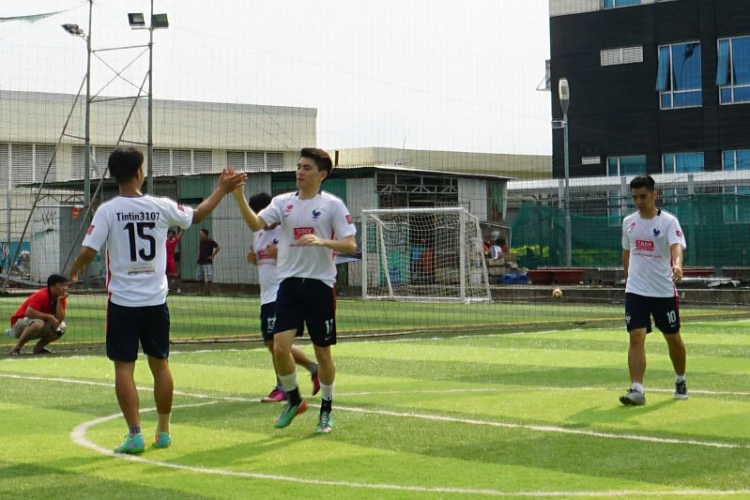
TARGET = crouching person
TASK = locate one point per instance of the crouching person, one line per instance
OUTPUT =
(41, 316)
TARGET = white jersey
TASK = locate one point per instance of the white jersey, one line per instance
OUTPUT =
(135, 231)
(649, 240)
(267, 273)
(325, 216)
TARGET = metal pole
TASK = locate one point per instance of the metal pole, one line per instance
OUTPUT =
(568, 229)
(150, 140)
(87, 121)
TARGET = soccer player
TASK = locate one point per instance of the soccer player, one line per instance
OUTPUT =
(653, 244)
(310, 219)
(173, 239)
(134, 227)
(263, 254)
(41, 316)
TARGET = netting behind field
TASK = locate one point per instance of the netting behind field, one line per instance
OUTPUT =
(421, 104)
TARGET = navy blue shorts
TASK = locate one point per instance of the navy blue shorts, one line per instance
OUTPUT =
(268, 321)
(665, 310)
(302, 301)
(127, 327)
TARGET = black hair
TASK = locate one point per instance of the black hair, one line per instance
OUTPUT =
(321, 158)
(643, 181)
(204, 230)
(259, 201)
(124, 162)
(54, 279)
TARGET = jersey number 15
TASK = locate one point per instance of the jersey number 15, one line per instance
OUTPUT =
(139, 228)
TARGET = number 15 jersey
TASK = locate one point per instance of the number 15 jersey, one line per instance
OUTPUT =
(135, 231)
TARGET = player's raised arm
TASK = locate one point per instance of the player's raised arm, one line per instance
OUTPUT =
(252, 220)
(228, 182)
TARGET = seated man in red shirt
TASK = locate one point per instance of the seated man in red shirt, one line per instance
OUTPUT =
(41, 316)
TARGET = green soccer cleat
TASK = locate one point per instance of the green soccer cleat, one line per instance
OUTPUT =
(633, 398)
(134, 444)
(325, 423)
(162, 440)
(289, 412)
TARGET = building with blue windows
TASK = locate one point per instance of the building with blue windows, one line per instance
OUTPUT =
(657, 86)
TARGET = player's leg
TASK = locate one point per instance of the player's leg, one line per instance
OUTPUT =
(667, 319)
(287, 372)
(155, 341)
(638, 323)
(122, 349)
(321, 325)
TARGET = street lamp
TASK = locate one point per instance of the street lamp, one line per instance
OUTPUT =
(563, 92)
(138, 22)
(75, 30)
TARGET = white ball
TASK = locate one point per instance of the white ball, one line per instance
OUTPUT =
(557, 293)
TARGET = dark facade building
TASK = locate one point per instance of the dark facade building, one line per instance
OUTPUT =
(656, 86)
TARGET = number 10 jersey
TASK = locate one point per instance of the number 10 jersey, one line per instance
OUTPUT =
(135, 231)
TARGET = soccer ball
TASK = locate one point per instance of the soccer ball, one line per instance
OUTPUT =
(556, 293)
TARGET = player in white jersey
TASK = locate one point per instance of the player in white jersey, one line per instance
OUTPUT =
(314, 224)
(263, 254)
(134, 227)
(653, 244)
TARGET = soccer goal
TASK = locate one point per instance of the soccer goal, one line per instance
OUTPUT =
(423, 254)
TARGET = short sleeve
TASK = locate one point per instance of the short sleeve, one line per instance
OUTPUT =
(625, 238)
(98, 230)
(675, 234)
(343, 225)
(272, 214)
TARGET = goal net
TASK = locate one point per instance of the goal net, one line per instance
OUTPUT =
(423, 254)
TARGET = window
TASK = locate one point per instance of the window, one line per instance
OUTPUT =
(679, 76)
(202, 161)
(733, 70)
(736, 159)
(676, 163)
(623, 55)
(626, 165)
(611, 4)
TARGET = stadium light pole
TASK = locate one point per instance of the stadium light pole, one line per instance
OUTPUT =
(75, 30)
(563, 93)
(138, 22)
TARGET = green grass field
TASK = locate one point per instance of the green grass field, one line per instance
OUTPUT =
(520, 415)
(226, 318)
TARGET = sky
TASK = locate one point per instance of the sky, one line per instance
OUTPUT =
(416, 74)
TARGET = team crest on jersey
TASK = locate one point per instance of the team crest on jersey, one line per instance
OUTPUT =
(679, 233)
(349, 219)
(275, 241)
(631, 227)
(315, 214)
(90, 229)
(657, 232)
(180, 207)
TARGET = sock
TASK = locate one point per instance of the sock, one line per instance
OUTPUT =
(290, 387)
(326, 391)
(325, 405)
(163, 423)
(312, 368)
(326, 397)
(638, 387)
(133, 430)
(679, 378)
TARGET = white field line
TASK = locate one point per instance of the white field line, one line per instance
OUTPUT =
(78, 435)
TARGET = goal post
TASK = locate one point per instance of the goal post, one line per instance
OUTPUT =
(423, 254)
